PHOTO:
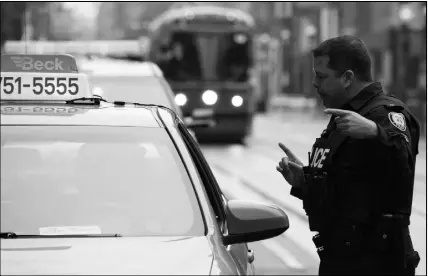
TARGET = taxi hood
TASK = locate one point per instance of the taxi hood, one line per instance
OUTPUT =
(119, 256)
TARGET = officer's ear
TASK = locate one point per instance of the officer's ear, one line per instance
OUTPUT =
(348, 77)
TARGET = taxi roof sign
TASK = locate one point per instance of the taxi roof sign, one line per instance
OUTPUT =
(42, 78)
(45, 110)
(38, 63)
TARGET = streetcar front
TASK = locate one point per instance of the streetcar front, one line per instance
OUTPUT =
(206, 54)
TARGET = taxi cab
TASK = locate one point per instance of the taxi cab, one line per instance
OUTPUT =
(96, 187)
(137, 82)
(140, 82)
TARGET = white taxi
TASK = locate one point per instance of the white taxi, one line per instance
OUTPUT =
(138, 82)
(93, 187)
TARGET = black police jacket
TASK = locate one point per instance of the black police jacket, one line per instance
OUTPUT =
(373, 176)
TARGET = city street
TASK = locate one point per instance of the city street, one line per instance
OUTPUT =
(248, 172)
(98, 117)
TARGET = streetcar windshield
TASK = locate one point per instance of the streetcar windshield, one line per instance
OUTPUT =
(190, 56)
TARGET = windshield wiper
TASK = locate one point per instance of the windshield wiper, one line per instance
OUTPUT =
(122, 103)
(92, 100)
(12, 235)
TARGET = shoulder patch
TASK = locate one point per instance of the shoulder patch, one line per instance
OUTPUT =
(398, 120)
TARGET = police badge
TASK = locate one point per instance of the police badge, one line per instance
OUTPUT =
(397, 120)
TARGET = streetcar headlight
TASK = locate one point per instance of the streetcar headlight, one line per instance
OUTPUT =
(237, 101)
(180, 99)
(209, 97)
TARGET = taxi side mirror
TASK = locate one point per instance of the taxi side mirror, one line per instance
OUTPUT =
(250, 221)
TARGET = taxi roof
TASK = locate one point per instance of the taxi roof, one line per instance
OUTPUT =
(106, 114)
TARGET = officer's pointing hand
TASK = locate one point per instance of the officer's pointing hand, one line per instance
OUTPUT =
(290, 167)
(353, 124)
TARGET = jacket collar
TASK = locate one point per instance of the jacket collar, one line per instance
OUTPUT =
(364, 96)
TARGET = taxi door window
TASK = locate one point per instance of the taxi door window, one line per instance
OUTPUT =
(218, 200)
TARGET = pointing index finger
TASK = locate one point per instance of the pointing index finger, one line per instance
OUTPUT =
(337, 112)
(287, 151)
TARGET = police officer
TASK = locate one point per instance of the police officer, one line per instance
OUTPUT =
(358, 185)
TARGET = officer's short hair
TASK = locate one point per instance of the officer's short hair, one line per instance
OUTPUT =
(346, 53)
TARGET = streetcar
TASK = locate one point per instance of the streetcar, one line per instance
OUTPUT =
(206, 54)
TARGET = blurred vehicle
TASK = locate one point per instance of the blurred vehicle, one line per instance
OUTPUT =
(94, 187)
(206, 55)
(139, 82)
(135, 82)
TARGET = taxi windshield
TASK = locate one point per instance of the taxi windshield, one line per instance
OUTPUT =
(124, 180)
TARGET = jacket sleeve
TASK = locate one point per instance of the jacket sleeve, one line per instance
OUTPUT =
(394, 128)
(300, 191)
(397, 139)
(296, 192)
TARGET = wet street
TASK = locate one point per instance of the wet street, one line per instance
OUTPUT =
(248, 172)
